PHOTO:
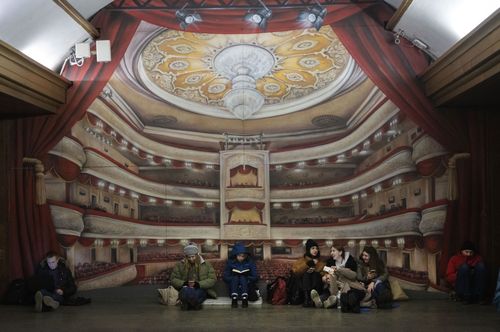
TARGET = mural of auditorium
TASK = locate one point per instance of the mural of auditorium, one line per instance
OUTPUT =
(328, 157)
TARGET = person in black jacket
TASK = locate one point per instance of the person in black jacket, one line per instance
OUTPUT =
(54, 283)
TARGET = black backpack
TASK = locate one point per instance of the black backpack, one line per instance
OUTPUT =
(17, 293)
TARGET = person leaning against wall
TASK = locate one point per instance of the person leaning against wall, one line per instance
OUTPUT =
(373, 273)
(52, 283)
(308, 270)
(466, 272)
(240, 275)
(194, 278)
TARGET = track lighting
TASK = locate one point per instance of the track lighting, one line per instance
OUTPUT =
(187, 18)
(260, 17)
(314, 16)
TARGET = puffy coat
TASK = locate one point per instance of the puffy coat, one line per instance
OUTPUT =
(205, 275)
(300, 266)
(233, 263)
(60, 278)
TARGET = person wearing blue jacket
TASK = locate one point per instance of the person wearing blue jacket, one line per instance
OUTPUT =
(239, 274)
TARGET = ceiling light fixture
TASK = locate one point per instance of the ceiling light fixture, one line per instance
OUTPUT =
(259, 17)
(186, 18)
(313, 16)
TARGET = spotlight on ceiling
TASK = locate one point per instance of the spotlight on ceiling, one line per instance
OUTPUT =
(187, 18)
(259, 17)
(314, 16)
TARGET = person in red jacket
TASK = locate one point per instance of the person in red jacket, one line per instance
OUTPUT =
(467, 273)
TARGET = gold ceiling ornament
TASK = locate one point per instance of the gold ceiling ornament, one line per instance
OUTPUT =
(182, 68)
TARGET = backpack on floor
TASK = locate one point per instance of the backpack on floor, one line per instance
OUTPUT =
(253, 292)
(276, 291)
(17, 293)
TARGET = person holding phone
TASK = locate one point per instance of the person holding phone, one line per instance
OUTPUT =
(194, 278)
(373, 273)
(308, 270)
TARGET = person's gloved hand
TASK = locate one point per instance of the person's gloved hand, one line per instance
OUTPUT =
(311, 263)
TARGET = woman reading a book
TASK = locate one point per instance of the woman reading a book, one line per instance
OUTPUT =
(240, 274)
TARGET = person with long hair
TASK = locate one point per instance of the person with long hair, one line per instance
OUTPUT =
(340, 277)
(308, 269)
(373, 273)
(194, 278)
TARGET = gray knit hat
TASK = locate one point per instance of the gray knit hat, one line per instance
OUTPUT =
(191, 250)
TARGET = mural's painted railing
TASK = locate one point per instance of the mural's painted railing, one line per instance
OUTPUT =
(113, 278)
(72, 220)
(398, 163)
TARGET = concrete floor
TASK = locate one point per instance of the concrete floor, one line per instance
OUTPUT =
(135, 308)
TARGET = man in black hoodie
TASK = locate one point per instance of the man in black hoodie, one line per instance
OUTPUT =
(54, 283)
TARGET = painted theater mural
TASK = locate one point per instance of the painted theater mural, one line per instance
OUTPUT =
(267, 139)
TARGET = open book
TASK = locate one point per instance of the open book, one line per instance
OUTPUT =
(240, 271)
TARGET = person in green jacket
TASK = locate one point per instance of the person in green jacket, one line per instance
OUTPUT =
(194, 278)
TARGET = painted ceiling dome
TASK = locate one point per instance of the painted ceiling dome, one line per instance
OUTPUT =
(291, 70)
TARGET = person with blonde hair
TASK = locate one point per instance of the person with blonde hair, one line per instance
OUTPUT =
(194, 278)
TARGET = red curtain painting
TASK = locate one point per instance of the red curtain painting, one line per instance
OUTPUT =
(394, 69)
(31, 231)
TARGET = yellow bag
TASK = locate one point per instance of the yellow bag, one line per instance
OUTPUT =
(168, 296)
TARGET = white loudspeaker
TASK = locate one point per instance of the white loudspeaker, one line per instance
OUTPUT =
(82, 50)
(103, 50)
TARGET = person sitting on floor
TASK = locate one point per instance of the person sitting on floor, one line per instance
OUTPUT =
(466, 272)
(373, 273)
(53, 283)
(240, 274)
(308, 270)
(194, 278)
(340, 278)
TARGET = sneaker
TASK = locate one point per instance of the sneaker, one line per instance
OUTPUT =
(316, 299)
(50, 302)
(330, 301)
(244, 303)
(38, 301)
(234, 302)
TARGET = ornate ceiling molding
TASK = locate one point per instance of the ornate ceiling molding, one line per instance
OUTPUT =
(309, 68)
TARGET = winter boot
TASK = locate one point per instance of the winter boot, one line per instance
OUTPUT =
(244, 301)
(234, 301)
(307, 299)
